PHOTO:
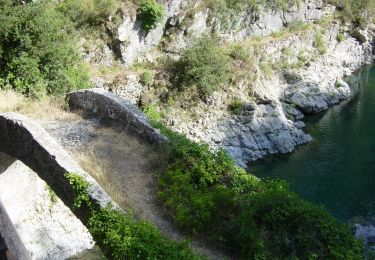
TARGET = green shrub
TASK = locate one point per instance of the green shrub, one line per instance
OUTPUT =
(204, 65)
(238, 52)
(125, 238)
(88, 12)
(152, 113)
(236, 106)
(81, 195)
(147, 78)
(208, 195)
(340, 36)
(150, 13)
(120, 235)
(277, 223)
(298, 26)
(41, 51)
(358, 12)
(319, 43)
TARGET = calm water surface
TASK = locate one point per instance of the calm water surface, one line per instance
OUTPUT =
(337, 169)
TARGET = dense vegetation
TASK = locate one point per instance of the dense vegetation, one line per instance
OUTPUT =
(88, 12)
(208, 195)
(358, 12)
(121, 236)
(204, 65)
(205, 193)
(38, 51)
(150, 13)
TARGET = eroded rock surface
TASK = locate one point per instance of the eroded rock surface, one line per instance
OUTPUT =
(47, 228)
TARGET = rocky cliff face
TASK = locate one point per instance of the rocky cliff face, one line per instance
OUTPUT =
(273, 105)
(189, 18)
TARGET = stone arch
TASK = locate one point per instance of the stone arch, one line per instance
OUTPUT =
(24, 140)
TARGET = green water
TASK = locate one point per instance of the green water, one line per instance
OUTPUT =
(337, 169)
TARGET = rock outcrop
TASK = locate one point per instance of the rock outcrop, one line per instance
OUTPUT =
(186, 19)
(46, 227)
(272, 106)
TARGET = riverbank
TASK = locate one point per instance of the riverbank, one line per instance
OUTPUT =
(336, 168)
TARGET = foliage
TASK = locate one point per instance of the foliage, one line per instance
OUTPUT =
(123, 237)
(207, 194)
(126, 238)
(298, 26)
(204, 65)
(38, 51)
(79, 185)
(147, 78)
(230, 8)
(277, 223)
(236, 106)
(238, 52)
(88, 12)
(340, 36)
(358, 12)
(150, 13)
(319, 43)
(152, 113)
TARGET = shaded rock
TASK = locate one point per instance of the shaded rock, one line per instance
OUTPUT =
(47, 228)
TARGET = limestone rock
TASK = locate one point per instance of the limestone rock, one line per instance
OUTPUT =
(47, 228)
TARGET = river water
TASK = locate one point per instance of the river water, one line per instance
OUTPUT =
(337, 169)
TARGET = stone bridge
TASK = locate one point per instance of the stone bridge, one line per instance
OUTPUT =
(28, 142)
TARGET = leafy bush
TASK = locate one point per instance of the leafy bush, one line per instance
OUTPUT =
(88, 12)
(150, 13)
(123, 237)
(147, 78)
(319, 43)
(298, 26)
(207, 194)
(358, 12)
(81, 196)
(238, 52)
(38, 50)
(277, 223)
(204, 65)
(340, 36)
(236, 106)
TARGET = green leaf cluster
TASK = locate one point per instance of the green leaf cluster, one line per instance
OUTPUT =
(358, 12)
(120, 235)
(38, 50)
(79, 185)
(88, 12)
(126, 238)
(204, 65)
(208, 195)
(150, 13)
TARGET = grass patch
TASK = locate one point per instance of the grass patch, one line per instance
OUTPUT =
(319, 43)
(236, 106)
(45, 108)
